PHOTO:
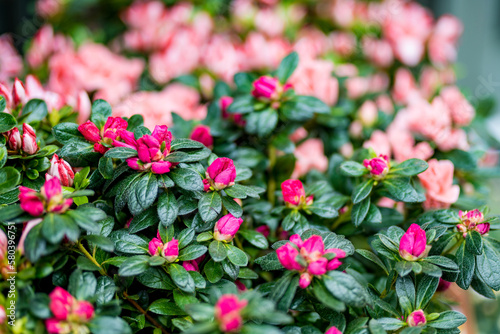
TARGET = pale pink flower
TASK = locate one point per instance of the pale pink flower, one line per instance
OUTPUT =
(276, 50)
(11, 64)
(311, 43)
(343, 43)
(49, 8)
(437, 180)
(368, 113)
(222, 57)
(443, 41)
(310, 155)
(270, 22)
(379, 52)
(461, 111)
(314, 77)
(379, 142)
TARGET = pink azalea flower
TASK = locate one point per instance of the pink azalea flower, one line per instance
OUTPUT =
(226, 228)
(228, 312)
(294, 194)
(221, 173)
(437, 180)
(416, 319)
(62, 170)
(413, 244)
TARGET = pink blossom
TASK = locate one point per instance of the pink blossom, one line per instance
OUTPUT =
(201, 133)
(333, 330)
(49, 199)
(443, 285)
(416, 319)
(221, 173)
(11, 64)
(170, 250)
(443, 41)
(437, 180)
(294, 194)
(298, 135)
(30, 202)
(312, 252)
(314, 77)
(225, 229)
(266, 88)
(49, 8)
(379, 142)
(472, 221)
(84, 311)
(378, 51)
(44, 44)
(309, 156)
(155, 246)
(62, 170)
(404, 88)
(311, 43)
(343, 43)
(3, 315)
(222, 57)
(193, 265)
(276, 49)
(264, 230)
(228, 312)
(26, 229)
(55, 326)
(90, 131)
(270, 22)
(356, 87)
(368, 113)
(19, 93)
(413, 244)
(14, 140)
(61, 303)
(461, 111)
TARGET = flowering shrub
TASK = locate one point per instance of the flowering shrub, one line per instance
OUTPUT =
(161, 211)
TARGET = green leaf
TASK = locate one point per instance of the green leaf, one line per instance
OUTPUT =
(3, 103)
(9, 178)
(345, 288)
(213, 271)
(121, 153)
(55, 227)
(78, 153)
(269, 262)
(146, 189)
(134, 265)
(442, 261)
(67, 132)
(430, 269)
(101, 241)
(192, 252)
(232, 207)
(426, 289)
(352, 168)
(217, 251)
(410, 167)
(255, 238)
(488, 265)
(143, 220)
(399, 189)
(448, 319)
(362, 191)
(7, 122)
(374, 216)
(405, 290)
(184, 143)
(129, 243)
(302, 108)
(324, 209)
(187, 179)
(106, 167)
(403, 267)
(242, 105)
(359, 211)
(109, 325)
(164, 307)
(373, 258)
(156, 278)
(82, 285)
(210, 206)
(236, 191)
(466, 263)
(474, 243)
(101, 110)
(185, 237)
(34, 111)
(325, 297)
(262, 123)
(236, 256)
(390, 324)
(181, 278)
(168, 208)
(287, 66)
(105, 290)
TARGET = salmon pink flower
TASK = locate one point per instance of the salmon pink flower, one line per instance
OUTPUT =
(437, 180)
(221, 173)
(413, 244)
(416, 319)
(61, 170)
(294, 194)
(228, 313)
(314, 259)
(378, 167)
(225, 229)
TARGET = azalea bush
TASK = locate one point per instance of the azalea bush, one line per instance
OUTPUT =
(333, 183)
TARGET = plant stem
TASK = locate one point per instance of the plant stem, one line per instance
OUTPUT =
(271, 183)
(140, 309)
(91, 258)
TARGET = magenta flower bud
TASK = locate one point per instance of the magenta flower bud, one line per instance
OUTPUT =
(113, 126)
(201, 133)
(226, 227)
(100, 148)
(14, 141)
(264, 230)
(483, 228)
(61, 303)
(90, 131)
(19, 93)
(240, 286)
(148, 149)
(137, 164)
(29, 140)
(224, 103)
(472, 217)
(161, 167)
(266, 87)
(333, 330)
(294, 194)
(128, 139)
(170, 250)
(443, 285)
(206, 185)
(55, 326)
(84, 311)
(413, 244)
(62, 170)
(164, 137)
(30, 202)
(305, 280)
(287, 255)
(416, 319)
(3, 245)
(221, 173)
(228, 313)
(191, 265)
(155, 247)
(378, 167)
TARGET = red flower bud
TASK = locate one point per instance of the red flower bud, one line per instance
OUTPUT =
(14, 140)
(294, 194)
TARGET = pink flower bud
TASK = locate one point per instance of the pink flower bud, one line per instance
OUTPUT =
(19, 93)
(206, 185)
(29, 140)
(221, 173)
(287, 255)
(170, 250)
(3, 245)
(55, 326)
(266, 87)
(443, 285)
(378, 167)
(161, 167)
(201, 133)
(100, 148)
(228, 313)
(164, 137)
(155, 246)
(113, 127)
(226, 227)
(148, 149)
(240, 286)
(14, 141)
(413, 244)
(90, 131)
(333, 330)
(483, 228)
(224, 103)
(62, 170)
(61, 303)
(264, 230)
(84, 311)
(3, 315)
(305, 280)
(5, 92)
(294, 194)
(191, 265)
(416, 319)
(137, 164)
(128, 140)
(30, 202)
(471, 217)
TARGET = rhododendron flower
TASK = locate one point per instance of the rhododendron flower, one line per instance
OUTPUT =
(333, 330)
(49, 199)
(103, 138)
(225, 229)
(228, 313)
(437, 180)
(313, 253)
(19, 93)
(62, 170)
(221, 173)
(413, 244)
(268, 88)
(201, 133)
(416, 319)
(368, 113)
(67, 312)
(378, 167)
(3, 315)
(472, 221)
(294, 194)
